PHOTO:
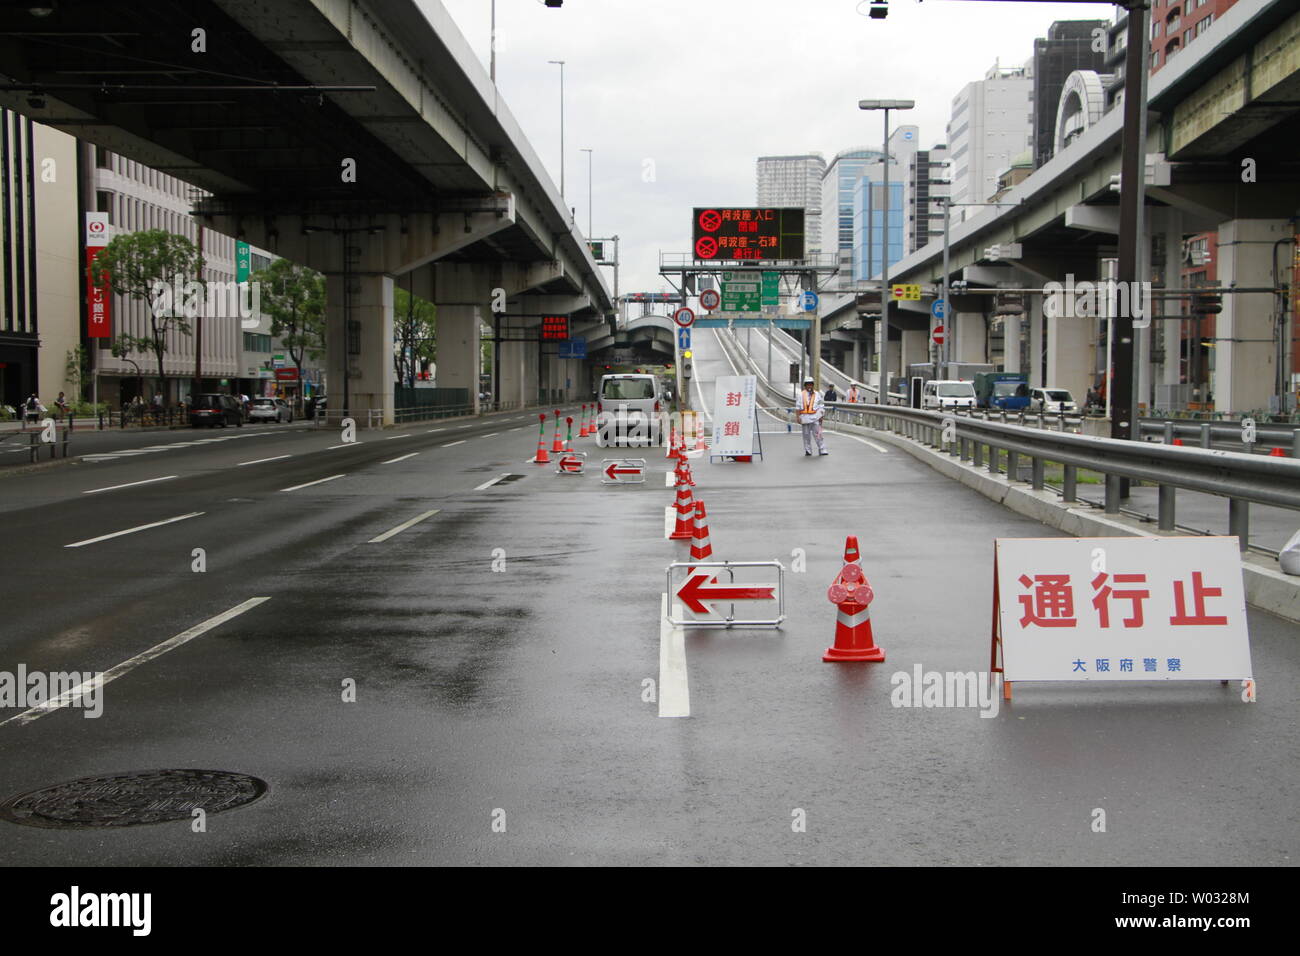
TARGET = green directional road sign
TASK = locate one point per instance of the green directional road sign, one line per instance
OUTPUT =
(742, 292)
(243, 260)
(771, 288)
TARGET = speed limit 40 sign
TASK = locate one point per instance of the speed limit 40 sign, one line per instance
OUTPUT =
(710, 299)
(684, 317)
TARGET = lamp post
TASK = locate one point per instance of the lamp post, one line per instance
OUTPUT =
(560, 64)
(882, 389)
(588, 151)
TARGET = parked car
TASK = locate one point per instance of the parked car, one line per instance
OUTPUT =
(627, 411)
(269, 409)
(948, 394)
(216, 409)
(1051, 400)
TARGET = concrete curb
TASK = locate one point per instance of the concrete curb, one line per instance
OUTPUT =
(1267, 588)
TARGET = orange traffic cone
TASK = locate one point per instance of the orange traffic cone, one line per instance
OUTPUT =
(542, 458)
(685, 528)
(557, 445)
(587, 428)
(568, 439)
(672, 442)
(1277, 453)
(1178, 441)
(683, 472)
(700, 443)
(851, 594)
(701, 549)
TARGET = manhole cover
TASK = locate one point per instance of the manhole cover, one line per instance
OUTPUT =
(131, 799)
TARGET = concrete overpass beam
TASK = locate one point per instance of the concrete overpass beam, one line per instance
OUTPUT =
(1093, 218)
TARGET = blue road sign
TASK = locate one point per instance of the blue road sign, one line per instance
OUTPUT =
(683, 339)
(573, 349)
(808, 301)
(937, 308)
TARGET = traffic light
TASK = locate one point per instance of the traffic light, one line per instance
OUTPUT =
(687, 366)
(1207, 303)
(688, 354)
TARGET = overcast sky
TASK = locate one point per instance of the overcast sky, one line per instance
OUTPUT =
(702, 88)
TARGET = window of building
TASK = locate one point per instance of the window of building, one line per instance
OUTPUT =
(256, 342)
(103, 158)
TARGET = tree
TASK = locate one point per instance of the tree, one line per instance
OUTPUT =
(136, 263)
(123, 346)
(415, 339)
(76, 369)
(294, 297)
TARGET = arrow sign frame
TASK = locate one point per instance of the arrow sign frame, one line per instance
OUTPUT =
(579, 456)
(611, 470)
(699, 578)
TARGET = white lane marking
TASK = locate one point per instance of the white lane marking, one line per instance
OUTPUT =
(113, 673)
(391, 437)
(308, 484)
(670, 514)
(434, 431)
(129, 484)
(490, 435)
(452, 444)
(93, 457)
(674, 690)
(346, 444)
(489, 484)
(402, 527)
(143, 527)
(668, 479)
(258, 461)
(879, 448)
(393, 461)
(464, 426)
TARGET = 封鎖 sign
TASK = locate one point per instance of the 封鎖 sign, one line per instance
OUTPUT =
(733, 416)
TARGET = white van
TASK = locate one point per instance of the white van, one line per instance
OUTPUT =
(628, 410)
(948, 394)
(1052, 400)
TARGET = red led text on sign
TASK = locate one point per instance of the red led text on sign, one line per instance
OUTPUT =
(555, 327)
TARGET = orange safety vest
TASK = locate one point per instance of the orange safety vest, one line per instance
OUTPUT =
(809, 401)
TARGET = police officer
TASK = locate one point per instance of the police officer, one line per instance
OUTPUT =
(810, 412)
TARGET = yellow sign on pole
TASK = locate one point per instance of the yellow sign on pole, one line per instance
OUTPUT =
(907, 292)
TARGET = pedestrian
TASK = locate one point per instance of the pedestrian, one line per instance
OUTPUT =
(852, 397)
(61, 403)
(811, 411)
(33, 408)
(831, 395)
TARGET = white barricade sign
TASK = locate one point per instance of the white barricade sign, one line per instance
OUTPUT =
(734, 416)
(1119, 609)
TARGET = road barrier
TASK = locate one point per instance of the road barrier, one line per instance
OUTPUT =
(1241, 478)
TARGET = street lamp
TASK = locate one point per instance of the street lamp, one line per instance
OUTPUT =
(560, 64)
(588, 152)
(882, 387)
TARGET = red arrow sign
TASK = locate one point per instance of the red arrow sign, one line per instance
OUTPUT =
(694, 593)
(613, 471)
(570, 464)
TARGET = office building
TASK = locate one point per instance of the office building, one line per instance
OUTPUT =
(991, 122)
(795, 181)
(1070, 45)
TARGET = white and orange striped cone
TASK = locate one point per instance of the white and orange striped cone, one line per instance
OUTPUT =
(685, 529)
(683, 472)
(700, 443)
(672, 441)
(557, 445)
(851, 595)
(701, 549)
(541, 457)
(586, 429)
(568, 438)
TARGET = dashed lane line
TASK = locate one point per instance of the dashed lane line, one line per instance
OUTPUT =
(143, 527)
(129, 484)
(489, 484)
(97, 683)
(308, 484)
(258, 461)
(402, 527)
(452, 444)
(346, 444)
(393, 461)
(391, 437)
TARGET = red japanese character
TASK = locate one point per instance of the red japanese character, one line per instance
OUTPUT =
(1104, 591)
(733, 398)
(1199, 593)
(1051, 604)
(731, 428)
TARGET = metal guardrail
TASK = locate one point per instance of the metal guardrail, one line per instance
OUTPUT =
(1241, 478)
(1286, 437)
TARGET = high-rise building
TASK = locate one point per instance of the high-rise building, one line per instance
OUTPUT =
(795, 181)
(869, 229)
(1176, 23)
(927, 184)
(839, 185)
(991, 122)
(1069, 45)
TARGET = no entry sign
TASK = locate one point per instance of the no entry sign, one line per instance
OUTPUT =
(937, 335)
